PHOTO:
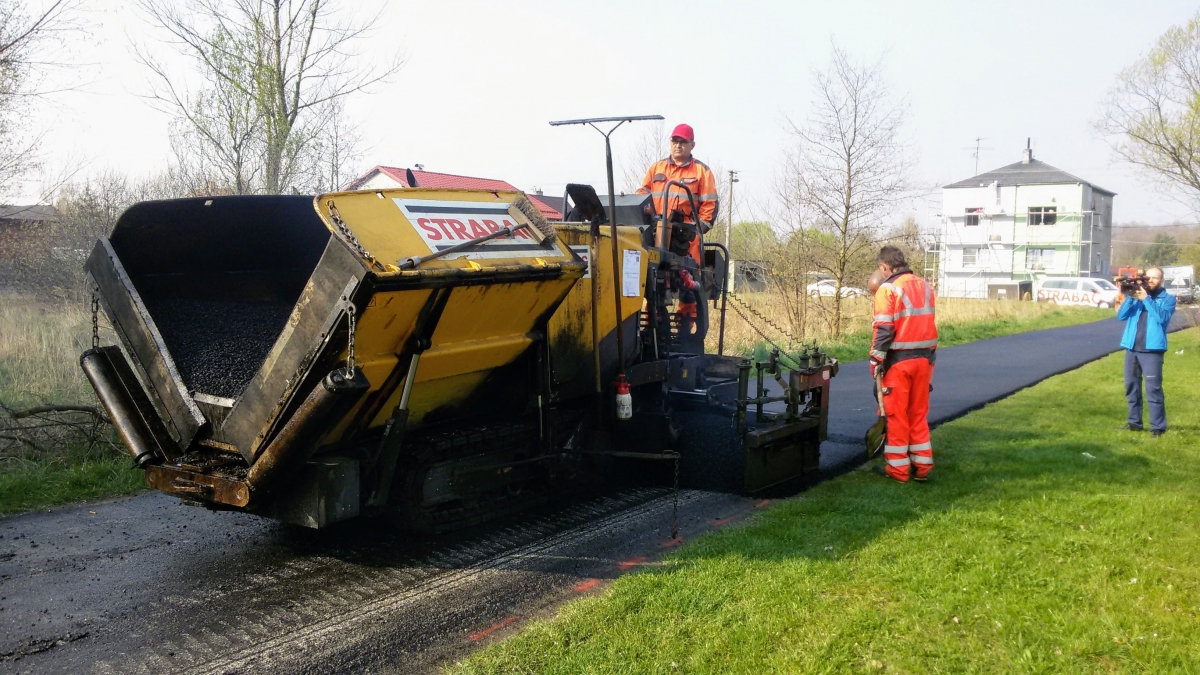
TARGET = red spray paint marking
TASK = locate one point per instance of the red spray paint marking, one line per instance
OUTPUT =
(630, 563)
(587, 585)
(762, 503)
(672, 542)
(723, 521)
(475, 637)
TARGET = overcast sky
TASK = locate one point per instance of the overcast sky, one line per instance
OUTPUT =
(482, 79)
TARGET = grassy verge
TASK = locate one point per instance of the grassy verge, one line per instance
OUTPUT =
(26, 486)
(52, 459)
(954, 330)
(959, 321)
(1048, 540)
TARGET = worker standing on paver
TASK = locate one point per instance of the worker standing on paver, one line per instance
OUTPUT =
(672, 203)
(903, 350)
(1147, 312)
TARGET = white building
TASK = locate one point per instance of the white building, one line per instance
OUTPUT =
(1024, 221)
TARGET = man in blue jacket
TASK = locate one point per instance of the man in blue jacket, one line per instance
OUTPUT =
(1146, 313)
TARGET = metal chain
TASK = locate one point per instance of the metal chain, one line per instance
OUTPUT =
(336, 217)
(351, 310)
(791, 340)
(95, 321)
(782, 351)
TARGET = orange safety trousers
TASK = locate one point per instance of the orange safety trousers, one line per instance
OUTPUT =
(906, 404)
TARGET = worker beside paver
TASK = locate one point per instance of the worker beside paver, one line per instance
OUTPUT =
(1147, 312)
(672, 202)
(903, 350)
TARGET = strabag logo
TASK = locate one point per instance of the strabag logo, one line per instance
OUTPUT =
(445, 224)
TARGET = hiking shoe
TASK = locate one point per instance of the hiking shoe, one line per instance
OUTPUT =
(1132, 427)
(1157, 432)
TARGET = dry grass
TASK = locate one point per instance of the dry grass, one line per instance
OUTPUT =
(40, 344)
(953, 315)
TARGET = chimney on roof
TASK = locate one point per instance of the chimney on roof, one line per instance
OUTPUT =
(1027, 157)
(538, 192)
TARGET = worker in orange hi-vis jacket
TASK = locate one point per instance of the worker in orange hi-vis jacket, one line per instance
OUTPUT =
(903, 350)
(688, 295)
(672, 202)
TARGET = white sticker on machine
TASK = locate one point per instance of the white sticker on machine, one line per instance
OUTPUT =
(631, 274)
(585, 253)
(445, 224)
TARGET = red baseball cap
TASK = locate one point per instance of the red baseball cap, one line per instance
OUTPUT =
(684, 131)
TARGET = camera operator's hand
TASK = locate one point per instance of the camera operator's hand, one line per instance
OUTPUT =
(1141, 293)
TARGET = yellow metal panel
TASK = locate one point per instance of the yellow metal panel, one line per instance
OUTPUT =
(484, 325)
(438, 393)
(463, 357)
(572, 322)
(388, 321)
(376, 370)
(381, 227)
(476, 312)
(431, 395)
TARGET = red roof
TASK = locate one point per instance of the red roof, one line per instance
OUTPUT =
(433, 179)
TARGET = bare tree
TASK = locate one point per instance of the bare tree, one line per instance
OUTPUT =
(650, 147)
(217, 135)
(276, 73)
(790, 263)
(88, 209)
(849, 168)
(334, 153)
(1151, 113)
(24, 37)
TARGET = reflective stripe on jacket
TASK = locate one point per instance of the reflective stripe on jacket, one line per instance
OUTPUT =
(904, 318)
(695, 175)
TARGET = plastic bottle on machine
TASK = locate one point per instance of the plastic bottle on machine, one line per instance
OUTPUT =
(624, 400)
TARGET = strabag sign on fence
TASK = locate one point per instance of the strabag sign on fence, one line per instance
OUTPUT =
(445, 224)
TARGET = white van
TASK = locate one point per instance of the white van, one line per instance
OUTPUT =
(1088, 291)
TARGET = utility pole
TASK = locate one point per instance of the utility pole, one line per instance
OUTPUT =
(729, 232)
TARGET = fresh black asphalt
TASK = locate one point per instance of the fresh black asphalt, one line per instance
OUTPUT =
(146, 584)
(969, 376)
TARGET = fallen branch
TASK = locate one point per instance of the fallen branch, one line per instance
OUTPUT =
(41, 409)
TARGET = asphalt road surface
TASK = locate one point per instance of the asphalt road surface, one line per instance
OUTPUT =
(147, 584)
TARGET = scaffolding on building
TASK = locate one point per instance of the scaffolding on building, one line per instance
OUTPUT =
(992, 251)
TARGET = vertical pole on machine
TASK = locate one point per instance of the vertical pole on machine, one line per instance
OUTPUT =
(616, 254)
(594, 272)
(729, 271)
(618, 273)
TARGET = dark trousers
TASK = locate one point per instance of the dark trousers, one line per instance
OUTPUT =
(1148, 366)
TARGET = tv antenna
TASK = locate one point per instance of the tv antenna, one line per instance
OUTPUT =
(975, 151)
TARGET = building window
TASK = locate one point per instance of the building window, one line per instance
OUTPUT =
(1043, 215)
(970, 257)
(972, 217)
(1039, 258)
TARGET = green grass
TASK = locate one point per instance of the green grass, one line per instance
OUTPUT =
(29, 485)
(856, 345)
(42, 464)
(1047, 541)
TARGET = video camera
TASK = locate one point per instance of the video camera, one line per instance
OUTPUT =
(1130, 284)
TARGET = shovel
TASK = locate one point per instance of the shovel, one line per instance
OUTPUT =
(877, 434)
